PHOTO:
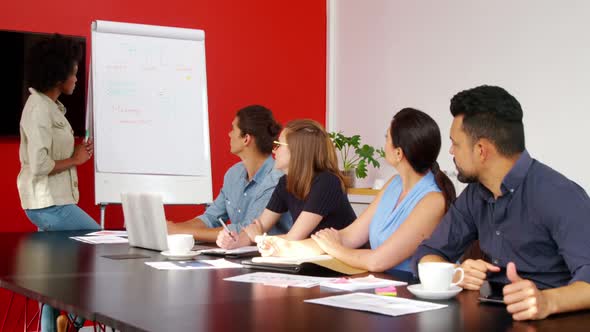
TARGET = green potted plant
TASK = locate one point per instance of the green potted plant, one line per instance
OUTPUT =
(355, 157)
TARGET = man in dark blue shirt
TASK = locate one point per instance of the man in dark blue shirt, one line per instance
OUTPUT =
(526, 216)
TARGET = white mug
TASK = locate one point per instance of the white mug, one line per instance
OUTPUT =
(179, 244)
(378, 184)
(438, 276)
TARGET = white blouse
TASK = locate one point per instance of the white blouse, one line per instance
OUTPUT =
(45, 136)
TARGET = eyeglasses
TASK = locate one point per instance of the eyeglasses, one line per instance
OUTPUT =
(277, 144)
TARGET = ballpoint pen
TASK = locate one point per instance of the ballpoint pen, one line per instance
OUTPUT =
(263, 246)
(225, 228)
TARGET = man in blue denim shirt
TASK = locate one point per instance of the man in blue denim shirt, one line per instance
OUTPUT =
(526, 216)
(248, 185)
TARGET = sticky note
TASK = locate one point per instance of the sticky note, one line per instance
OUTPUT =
(386, 291)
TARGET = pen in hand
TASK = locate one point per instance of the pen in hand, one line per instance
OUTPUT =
(225, 228)
(266, 249)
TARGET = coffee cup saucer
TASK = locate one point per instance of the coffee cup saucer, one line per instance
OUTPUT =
(178, 256)
(420, 292)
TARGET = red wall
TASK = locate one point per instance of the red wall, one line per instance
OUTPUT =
(259, 51)
(268, 52)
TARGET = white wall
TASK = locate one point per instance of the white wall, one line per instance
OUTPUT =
(385, 55)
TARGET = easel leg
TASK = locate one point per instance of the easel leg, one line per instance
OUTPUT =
(103, 208)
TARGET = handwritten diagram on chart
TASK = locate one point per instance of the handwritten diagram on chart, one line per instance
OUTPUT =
(150, 105)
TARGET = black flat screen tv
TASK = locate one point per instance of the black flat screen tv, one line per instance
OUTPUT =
(14, 90)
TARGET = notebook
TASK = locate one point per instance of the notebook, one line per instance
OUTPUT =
(298, 265)
(248, 251)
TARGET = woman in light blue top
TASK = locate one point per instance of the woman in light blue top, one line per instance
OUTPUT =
(405, 211)
(387, 218)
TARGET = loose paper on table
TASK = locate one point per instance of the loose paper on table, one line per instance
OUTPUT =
(391, 306)
(100, 239)
(279, 279)
(194, 265)
(354, 284)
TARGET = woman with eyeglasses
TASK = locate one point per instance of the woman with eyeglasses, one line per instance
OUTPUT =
(312, 189)
(405, 212)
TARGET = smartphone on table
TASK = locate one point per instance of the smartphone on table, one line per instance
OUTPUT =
(491, 292)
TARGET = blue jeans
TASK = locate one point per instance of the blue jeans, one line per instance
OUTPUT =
(60, 218)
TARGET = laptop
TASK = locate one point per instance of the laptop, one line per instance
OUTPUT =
(145, 220)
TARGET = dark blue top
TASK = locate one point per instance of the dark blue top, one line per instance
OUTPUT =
(325, 198)
(541, 222)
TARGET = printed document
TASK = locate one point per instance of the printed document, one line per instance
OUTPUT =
(194, 265)
(354, 284)
(279, 279)
(385, 305)
(100, 239)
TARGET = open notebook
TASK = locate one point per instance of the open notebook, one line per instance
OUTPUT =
(295, 265)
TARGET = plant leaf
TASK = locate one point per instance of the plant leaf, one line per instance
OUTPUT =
(355, 141)
(361, 170)
(362, 157)
(365, 152)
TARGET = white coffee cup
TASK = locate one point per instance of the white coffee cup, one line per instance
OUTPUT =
(179, 244)
(438, 276)
(378, 184)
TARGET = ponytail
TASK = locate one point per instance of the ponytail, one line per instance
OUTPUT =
(445, 185)
(418, 135)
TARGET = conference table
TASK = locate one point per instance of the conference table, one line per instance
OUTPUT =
(131, 296)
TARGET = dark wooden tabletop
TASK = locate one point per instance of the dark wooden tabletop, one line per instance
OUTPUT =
(131, 296)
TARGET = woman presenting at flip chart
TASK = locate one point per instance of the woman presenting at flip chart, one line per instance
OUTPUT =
(48, 182)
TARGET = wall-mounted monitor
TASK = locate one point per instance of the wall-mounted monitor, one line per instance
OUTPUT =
(14, 89)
